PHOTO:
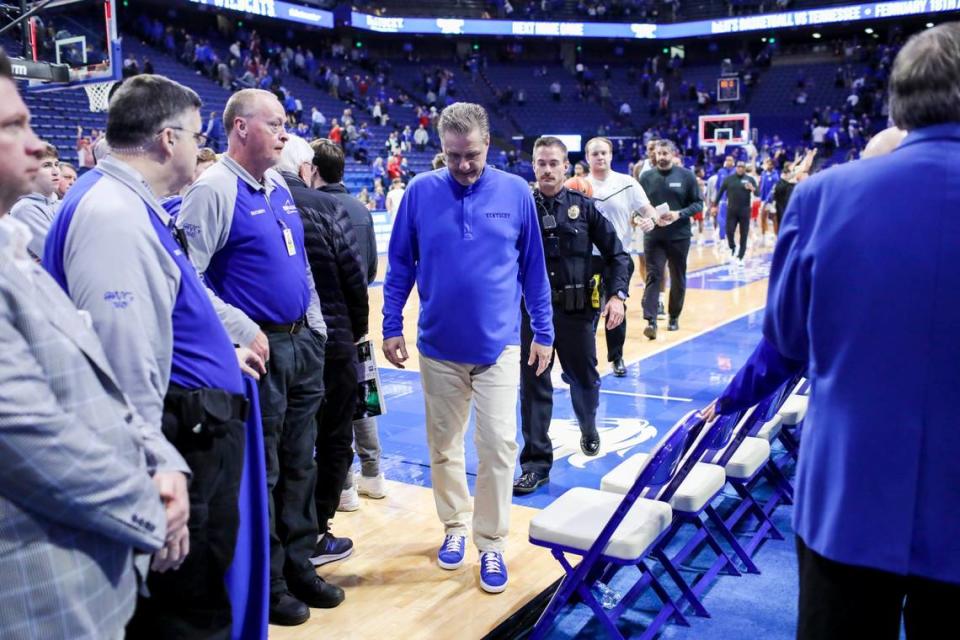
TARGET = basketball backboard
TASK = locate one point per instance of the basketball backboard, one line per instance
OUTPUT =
(724, 129)
(65, 43)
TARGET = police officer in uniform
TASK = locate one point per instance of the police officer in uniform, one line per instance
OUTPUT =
(571, 225)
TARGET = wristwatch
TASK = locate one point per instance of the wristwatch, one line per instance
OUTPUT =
(622, 295)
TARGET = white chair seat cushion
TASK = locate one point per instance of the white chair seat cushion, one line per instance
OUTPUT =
(750, 456)
(771, 429)
(702, 483)
(794, 410)
(576, 519)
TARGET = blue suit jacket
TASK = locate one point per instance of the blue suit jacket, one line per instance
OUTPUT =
(863, 288)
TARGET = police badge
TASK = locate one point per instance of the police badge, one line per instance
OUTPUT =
(573, 212)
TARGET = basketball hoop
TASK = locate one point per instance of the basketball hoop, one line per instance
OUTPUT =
(98, 95)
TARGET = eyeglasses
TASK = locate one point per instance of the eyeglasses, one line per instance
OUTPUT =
(201, 138)
(275, 126)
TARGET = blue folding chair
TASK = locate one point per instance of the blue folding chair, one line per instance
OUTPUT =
(611, 529)
(746, 461)
(691, 493)
(791, 410)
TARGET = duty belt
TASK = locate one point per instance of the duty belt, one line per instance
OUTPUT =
(204, 412)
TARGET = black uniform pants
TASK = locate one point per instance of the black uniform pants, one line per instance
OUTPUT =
(290, 396)
(840, 601)
(737, 217)
(615, 337)
(576, 345)
(192, 601)
(334, 450)
(659, 253)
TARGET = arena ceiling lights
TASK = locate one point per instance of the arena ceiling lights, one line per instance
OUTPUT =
(764, 22)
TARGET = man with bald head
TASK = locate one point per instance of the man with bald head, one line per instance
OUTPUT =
(884, 142)
(245, 235)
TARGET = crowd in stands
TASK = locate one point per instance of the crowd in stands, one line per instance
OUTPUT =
(255, 61)
(863, 74)
(657, 101)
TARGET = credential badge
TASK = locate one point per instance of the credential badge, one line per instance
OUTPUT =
(573, 212)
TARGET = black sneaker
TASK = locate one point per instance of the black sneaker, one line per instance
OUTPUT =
(619, 369)
(590, 444)
(287, 611)
(528, 482)
(318, 593)
(661, 312)
(674, 325)
(650, 331)
(330, 549)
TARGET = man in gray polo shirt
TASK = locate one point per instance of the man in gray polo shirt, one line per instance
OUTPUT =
(246, 237)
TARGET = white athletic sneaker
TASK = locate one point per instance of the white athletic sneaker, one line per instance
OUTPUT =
(375, 487)
(740, 263)
(349, 500)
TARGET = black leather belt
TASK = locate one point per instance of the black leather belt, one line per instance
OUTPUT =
(290, 327)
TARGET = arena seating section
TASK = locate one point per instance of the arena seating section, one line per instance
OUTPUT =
(57, 114)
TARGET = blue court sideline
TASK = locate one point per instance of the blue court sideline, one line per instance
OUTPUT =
(634, 410)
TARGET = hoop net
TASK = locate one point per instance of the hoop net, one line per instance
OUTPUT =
(721, 147)
(98, 95)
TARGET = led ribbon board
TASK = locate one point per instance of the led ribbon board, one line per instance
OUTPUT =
(274, 9)
(764, 22)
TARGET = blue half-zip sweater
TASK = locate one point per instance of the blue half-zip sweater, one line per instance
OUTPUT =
(472, 251)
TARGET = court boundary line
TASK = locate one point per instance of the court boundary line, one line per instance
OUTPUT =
(652, 396)
(693, 336)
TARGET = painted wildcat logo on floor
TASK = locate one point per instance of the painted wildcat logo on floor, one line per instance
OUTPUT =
(617, 435)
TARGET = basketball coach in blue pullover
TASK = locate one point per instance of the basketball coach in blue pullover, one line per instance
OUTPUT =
(468, 236)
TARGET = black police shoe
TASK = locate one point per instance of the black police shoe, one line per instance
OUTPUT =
(528, 482)
(651, 330)
(287, 611)
(619, 369)
(318, 593)
(674, 325)
(590, 444)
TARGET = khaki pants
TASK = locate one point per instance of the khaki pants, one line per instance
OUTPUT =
(448, 388)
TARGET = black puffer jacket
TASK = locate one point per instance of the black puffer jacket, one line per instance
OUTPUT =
(335, 261)
(362, 226)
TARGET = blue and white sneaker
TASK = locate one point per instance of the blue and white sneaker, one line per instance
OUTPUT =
(450, 556)
(493, 572)
(330, 548)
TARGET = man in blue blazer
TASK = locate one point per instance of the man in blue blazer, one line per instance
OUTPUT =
(874, 312)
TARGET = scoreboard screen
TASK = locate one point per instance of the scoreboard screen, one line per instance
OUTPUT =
(728, 89)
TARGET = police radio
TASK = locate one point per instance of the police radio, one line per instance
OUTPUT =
(549, 222)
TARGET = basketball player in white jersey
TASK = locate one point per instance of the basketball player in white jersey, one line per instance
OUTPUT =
(622, 201)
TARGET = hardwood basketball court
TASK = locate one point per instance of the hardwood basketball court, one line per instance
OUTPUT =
(394, 588)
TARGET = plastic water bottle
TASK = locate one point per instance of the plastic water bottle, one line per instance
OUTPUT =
(607, 596)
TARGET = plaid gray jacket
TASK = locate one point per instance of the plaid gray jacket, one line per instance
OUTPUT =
(76, 498)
